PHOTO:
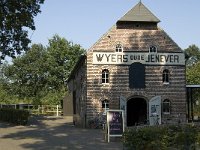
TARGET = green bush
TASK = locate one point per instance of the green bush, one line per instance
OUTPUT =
(16, 116)
(181, 137)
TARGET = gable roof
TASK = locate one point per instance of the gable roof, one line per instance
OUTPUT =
(139, 13)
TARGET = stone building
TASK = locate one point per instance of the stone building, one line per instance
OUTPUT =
(134, 66)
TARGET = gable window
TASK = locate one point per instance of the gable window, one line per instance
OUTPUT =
(105, 76)
(119, 48)
(166, 106)
(152, 49)
(166, 76)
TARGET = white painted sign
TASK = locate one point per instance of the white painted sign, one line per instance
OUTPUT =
(128, 58)
(155, 110)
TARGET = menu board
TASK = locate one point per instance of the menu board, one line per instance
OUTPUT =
(115, 123)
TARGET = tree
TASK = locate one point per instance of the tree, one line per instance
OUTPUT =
(16, 18)
(28, 73)
(40, 73)
(5, 96)
(192, 74)
(62, 56)
(193, 54)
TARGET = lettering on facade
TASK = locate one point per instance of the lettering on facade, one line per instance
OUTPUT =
(144, 58)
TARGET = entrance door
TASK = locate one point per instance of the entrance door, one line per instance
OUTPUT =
(136, 111)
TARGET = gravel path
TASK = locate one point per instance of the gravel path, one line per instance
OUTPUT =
(53, 133)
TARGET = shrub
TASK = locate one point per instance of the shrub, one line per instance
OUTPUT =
(16, 116)
(181, 137)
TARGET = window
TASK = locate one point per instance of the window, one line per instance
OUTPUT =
(166, 106)
(166, 76)
(136, 75)
(105, 76)
(119, 48)
(152, 49)
(105, 104)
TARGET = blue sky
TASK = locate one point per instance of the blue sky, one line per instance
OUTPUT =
(85, 21)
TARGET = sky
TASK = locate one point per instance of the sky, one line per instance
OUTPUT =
(85, 21)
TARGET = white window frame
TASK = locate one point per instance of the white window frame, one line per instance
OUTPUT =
(105, 76)
(119, 48)
(150, 49)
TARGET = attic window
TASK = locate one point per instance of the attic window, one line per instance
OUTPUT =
(152, 49)
(119, 48)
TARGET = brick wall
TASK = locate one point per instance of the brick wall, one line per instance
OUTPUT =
(137, 40)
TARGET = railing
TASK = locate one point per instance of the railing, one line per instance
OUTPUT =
(36, 109)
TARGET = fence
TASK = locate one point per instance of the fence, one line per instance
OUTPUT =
(36, 109)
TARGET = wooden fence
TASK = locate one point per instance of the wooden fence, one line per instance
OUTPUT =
(36, 109)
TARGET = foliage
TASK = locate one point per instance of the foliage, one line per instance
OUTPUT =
(16, 116)
(16, 18)
(27, 73)
(192, 74)
(193, 55)
(144, 138)
(179, 137)
(39, 75)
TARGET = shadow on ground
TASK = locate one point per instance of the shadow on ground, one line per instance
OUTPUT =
(55, 133)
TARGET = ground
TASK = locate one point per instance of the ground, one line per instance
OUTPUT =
(46, 133)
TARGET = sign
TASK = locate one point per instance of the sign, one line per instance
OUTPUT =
(127, 58)
(115, 123)
(155, 110)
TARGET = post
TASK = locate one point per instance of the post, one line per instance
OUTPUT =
(57, 111)
(105, 107)
(42, 109)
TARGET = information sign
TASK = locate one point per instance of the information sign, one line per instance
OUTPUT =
(115, 123)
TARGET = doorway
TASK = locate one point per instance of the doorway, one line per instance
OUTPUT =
(136, 111)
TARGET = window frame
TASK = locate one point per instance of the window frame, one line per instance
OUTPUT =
(166, 105)
(118, 48)
(103, 104)
(153, 46)
(165, 76)
(105, 76)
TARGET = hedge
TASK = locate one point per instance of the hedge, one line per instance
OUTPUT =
(15, 116)
(176, 137)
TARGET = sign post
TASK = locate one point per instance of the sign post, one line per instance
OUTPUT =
(115, 123)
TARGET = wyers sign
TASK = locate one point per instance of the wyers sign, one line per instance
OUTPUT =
(144, 58)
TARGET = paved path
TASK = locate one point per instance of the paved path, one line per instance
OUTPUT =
(52, 133)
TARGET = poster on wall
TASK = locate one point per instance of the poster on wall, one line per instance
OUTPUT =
(115, 123)
(155, 110)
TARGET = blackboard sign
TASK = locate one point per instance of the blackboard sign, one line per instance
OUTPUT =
(115, 123)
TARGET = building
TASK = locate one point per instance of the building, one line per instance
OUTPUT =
(134, 66)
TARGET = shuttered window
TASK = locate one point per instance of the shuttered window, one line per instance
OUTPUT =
(137, 76)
